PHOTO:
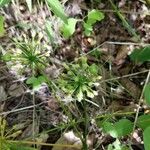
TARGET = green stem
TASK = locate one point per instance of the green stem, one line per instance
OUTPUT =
(148, 2)
(124, 21)
(85, 133)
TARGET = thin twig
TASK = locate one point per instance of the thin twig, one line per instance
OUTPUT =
(20, 109)
(140, 101)
(126, 12)
(125, 76)
(127, 43)
(115, 43)
(45, 144)
(34, 117)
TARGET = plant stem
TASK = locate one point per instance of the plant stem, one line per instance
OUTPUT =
(85, 146)
(148, 2)
(140, 101)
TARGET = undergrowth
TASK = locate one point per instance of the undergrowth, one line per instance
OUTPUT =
(76, 86)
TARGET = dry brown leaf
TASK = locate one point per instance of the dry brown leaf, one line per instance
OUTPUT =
(3, 95)
(121, 55)
(68, 138)
(16, 90)
(117, 106)
(53, 104)
(71, 139)
(42, 139)
(28, 132)
(131, 87)
(73, 8)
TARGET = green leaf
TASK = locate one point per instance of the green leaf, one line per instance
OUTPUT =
(84, 60)
(147, 93)
(97, 53)
(80, 95)
(110, 147)
(93, 69)
(2, 30)
(143, 121)
(123, 127)
(36, 85)
(49, 30)
(146, 138)
(7, 57)
(108, 128)
(29, 4)
(117, 145)
(41, 79)
(94, 15)
(4, 2)
(57, 9)
(68, 29)
(88, 29)
(36, 82)
(141, 55)
(31, 80)
(90, 94)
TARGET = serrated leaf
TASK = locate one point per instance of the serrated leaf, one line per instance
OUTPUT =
(57, 9)
(4, 2)
(69, 29)
(146, 137)
(147, 93)
(141, 55)
(2, 30)
(143, 121)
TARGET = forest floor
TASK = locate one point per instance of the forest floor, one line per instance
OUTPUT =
(48, 117)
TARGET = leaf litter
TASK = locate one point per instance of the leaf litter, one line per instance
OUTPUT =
(112, 57)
